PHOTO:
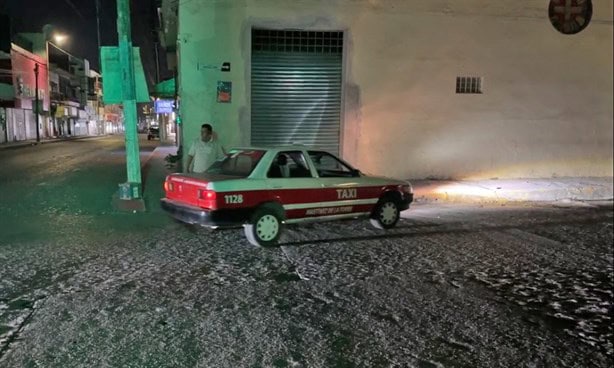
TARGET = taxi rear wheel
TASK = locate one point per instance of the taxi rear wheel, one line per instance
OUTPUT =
(386, 214)
(264, 228)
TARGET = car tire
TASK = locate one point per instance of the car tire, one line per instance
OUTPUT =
(386, 214)
(264, 227)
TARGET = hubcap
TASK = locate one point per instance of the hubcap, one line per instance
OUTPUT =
(267, 227)
(388, 213)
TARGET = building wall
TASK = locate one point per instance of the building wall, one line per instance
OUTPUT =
(546, 109)
(20, 125)
(24, 80)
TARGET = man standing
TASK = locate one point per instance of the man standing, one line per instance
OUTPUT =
(205, 150)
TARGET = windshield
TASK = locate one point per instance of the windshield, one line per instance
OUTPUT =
(237, 163)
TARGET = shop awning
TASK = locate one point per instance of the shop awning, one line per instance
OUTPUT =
(165, 89)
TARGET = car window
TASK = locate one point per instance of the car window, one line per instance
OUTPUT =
(289, 164)
(328, 166)
(237, 163)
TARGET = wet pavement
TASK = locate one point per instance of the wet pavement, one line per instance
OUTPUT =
(82, 285)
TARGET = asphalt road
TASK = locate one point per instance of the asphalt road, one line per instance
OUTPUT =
(82, 285)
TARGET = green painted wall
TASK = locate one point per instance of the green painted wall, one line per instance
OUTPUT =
(208, 37)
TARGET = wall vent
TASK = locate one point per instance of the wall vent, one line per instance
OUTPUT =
(468, 84)
(319, 42)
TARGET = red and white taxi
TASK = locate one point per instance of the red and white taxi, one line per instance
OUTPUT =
(262, 189)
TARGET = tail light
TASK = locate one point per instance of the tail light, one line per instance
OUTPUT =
(168, 186)
(207, 198)
(207, 195)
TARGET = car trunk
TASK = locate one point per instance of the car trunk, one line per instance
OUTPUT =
(193, 189)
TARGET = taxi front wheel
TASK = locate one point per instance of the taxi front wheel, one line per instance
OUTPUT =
(386, 214)
(264, 228)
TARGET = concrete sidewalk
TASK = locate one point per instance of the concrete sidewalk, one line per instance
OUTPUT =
(32, 142)
(154, 172)
(433, 191)
(514, 190)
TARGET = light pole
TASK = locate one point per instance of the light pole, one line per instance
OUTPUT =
(58, 38)
(38, 136)
(126, 62)
(98, 29)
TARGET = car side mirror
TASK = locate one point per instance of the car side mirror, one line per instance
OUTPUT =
(355, 172)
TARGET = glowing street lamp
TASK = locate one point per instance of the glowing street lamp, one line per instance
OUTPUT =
(59, 38)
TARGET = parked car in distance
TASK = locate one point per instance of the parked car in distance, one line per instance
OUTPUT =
(153, 133)
(262, 189)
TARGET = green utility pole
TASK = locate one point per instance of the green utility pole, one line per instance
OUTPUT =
(131, 189)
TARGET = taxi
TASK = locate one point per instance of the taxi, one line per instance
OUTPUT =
(262, 189)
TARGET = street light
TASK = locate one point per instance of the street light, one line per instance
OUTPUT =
(59, 38)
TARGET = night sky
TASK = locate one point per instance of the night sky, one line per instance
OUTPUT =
(77, 19)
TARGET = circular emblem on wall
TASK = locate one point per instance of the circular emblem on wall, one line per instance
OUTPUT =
(570, 16)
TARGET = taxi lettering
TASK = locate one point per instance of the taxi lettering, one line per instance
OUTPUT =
(328, 211)
(347, 193)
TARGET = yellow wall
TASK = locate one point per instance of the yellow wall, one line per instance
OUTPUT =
(546, 108)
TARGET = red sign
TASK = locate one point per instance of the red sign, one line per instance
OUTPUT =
(111, 117)
(23, 63)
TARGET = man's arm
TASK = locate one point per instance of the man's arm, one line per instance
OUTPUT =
(191, 154)
(190, 158)
(221, 151)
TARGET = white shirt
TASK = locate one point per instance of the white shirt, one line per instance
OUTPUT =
(205, 154)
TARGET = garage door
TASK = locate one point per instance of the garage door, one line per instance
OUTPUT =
(296, 88)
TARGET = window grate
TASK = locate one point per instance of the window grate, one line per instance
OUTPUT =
(469, 85)
(319, 42)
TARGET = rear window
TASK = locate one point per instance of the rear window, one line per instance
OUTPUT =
(237, 163)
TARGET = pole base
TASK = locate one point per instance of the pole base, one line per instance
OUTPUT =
(129, 191)
(128, 198)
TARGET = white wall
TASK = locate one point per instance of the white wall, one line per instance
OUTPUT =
(546, 108)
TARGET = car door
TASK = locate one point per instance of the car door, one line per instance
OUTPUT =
(292, 182)
(342, 185)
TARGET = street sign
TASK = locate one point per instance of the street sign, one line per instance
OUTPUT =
(112, 80)
(164, 106)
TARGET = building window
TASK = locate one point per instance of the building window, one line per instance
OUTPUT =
(468, 84)
(570, 16)
(320, 42)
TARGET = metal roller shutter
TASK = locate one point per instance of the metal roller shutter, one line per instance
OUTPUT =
(296, 88)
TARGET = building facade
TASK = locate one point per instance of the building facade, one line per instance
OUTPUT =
(95, 107)
(69, 88)
(68, 91)
(411, 89)
(22, 72)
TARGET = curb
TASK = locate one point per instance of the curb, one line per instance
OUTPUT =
(514, 191)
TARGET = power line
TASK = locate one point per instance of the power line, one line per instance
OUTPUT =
(75, 9)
